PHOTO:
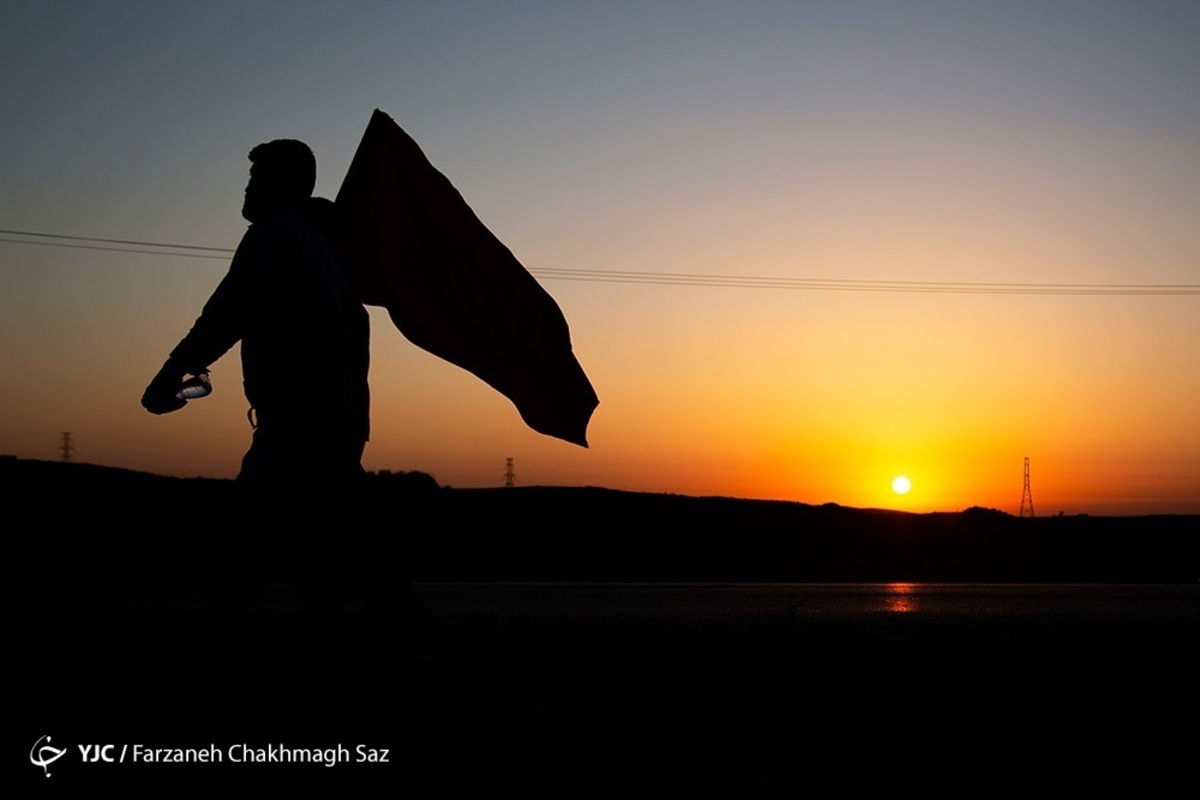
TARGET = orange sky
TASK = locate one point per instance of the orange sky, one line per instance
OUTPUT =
(1029, 144)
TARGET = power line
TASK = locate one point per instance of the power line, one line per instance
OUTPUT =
(113, 241)
(674, 278)
(175, 253)
(834, 284)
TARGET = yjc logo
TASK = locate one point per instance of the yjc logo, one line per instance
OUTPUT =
(98, 752)
(43, 755)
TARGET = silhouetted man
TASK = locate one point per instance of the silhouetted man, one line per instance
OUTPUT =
(304, 334)
(305, 348)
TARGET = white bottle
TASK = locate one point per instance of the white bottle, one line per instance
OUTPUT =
(194, 387)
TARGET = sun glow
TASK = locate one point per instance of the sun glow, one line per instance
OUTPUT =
(901, 484)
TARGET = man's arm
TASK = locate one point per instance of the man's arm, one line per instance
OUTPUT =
(215, 331)
(219, 327)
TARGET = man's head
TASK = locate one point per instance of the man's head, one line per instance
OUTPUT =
(282, 172)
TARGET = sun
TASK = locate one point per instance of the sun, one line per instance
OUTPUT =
(901, 484)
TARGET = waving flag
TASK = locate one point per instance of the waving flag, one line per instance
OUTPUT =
(451, 287)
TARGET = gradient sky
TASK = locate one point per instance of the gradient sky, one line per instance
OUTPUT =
(1028, 143)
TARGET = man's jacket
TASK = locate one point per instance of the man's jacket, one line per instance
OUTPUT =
(305, 336)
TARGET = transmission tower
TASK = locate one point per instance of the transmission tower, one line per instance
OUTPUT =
(509, 476)
(1026, 494)
(66, 448)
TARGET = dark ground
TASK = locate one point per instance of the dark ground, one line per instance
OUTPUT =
(602, 691)
(106, 644)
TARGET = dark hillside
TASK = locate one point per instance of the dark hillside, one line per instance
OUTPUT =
(593, 534)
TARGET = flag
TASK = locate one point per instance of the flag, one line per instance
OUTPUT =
(415, 248)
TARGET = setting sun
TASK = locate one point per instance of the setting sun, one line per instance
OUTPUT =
(901, 485)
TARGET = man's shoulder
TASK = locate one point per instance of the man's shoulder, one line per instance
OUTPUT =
(284, 239)
(277, 220)
(267, 243)
(284, 227)
(317, 217)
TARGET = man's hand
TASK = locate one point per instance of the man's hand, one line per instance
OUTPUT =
(160, 396)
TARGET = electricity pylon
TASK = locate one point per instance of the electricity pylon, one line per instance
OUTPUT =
(1026, 494)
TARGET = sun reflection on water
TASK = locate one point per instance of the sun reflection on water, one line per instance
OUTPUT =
(901, 598)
